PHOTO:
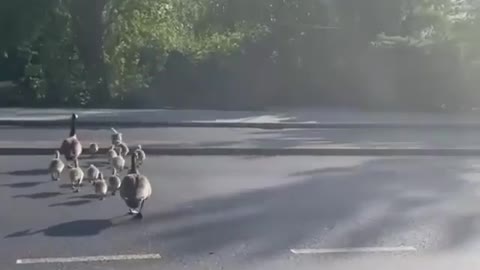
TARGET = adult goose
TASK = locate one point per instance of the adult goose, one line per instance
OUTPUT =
(71, 147)
(135, 189)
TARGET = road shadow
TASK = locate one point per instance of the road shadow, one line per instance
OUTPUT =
(381, 196)
(85, 197)
(39, 195)
(32, 172)
(19, 234)
(70, 203)
(87, 156)
(23, 184)
(362, 137)
(98, 164)
(69, 186)
(166, 145)
(78, 228)
(255, 157)
(218, 144)
(65, 186)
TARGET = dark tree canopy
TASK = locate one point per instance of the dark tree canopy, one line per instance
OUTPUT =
(241, 54)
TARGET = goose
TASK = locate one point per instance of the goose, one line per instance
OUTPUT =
(92, 173)
(124, 148)
(93, 148)
(135, 190)
(114, 182)
(56, 166)
(111, 153)
(101, 187)
(141, 154)
(71, 147)
(116, 136)
(76, 176)
(118, 162)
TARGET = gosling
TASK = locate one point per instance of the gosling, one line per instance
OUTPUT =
(56, 166)
(111, 153)
(118, 162)
(93, 149)
(92, 173)
(124, 148)
(141, 155)
(114, 182)
(76, 176)
(101, 187)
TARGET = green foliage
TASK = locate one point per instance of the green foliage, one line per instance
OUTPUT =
(54, 73)
(21, 21)
(141, 33)
(96, 52)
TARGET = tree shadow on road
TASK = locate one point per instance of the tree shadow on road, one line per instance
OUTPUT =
(32, 172)
(363, 138)
(69, 186)
(78, 228)
(23, 184)
(39, 195)
(352, 206)
(85, 197)
(70, 203)
(87, 156)
(98, 164)
(65, 186)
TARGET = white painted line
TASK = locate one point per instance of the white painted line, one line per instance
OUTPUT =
(90, 258)
(353, 250)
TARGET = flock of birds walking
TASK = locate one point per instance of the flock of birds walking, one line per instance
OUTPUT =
(134, 188)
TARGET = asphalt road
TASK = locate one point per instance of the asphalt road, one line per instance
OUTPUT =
(248, 212)
(254, 138)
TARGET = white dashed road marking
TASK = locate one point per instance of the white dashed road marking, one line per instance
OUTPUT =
(353, 250)
(89, 258)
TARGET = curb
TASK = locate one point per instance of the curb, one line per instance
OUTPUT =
(139, 124)
(264, 152)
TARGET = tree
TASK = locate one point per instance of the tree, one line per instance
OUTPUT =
(88, 28)
(98, 52)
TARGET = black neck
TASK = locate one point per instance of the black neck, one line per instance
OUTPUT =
(72, 126)
(134, 165)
